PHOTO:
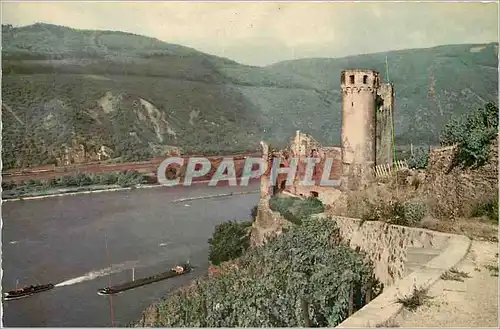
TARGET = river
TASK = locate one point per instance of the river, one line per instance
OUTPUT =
(63, 240)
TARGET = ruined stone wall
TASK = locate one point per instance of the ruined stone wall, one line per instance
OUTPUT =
(264, 180)
(302, 144)
(325, 194)
(267, 223)
(455, 191)
(359, 91)
(385, 124)
(334, 171)
(301, 147)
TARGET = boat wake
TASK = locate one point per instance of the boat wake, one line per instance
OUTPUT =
(99, 273)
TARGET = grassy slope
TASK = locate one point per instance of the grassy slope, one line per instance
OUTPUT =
(90, 87)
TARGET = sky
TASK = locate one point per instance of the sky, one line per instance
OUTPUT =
(262, 33)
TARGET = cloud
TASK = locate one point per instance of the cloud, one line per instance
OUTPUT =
(266, 32)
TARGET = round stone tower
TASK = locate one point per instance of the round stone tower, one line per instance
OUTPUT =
(359, 94)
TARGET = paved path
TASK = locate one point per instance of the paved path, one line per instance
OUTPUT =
(471, 303)
(418, 257)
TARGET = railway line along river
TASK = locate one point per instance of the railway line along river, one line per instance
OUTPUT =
(62, 240)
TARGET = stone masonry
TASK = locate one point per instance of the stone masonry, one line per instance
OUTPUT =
(363, 97)
(385, 124)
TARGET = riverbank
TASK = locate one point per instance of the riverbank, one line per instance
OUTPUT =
(52, 193)
(84, 182)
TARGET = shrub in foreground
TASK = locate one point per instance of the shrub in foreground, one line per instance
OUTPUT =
(295, 209)
(303, 276)
(419, 159)
(406, 213)
(229, 241)
(487, 208)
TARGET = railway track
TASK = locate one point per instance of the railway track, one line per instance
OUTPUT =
(150, 167)
(145, 167)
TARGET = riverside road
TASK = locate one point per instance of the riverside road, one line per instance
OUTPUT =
(63, 240)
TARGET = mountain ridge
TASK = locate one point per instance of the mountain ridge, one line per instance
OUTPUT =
(139, 97)
(382, 53)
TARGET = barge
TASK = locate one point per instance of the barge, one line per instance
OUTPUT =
(176, 271)
(26, 291)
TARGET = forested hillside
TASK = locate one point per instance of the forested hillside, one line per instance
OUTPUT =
(65, 89)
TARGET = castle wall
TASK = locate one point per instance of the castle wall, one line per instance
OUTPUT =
(302, 144)
(359, 91)
(385, 125)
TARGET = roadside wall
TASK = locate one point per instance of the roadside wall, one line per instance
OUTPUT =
(386, 245)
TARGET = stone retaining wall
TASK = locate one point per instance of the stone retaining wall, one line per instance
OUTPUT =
(385, 244)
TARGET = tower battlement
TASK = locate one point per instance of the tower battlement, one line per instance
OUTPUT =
(357, 80)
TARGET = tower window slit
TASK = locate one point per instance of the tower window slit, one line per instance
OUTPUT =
(351, 78)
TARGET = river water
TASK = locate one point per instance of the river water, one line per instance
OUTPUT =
(63, 240)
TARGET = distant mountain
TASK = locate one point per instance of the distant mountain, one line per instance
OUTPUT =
(431, 85)
(69, 94)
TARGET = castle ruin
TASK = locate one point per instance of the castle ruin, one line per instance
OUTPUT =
(367, 125)
(366, 139)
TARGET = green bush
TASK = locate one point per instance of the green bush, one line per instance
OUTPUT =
(281, 203)
(291, 217)
(84, 179)
(229, 241)
(419, 159)
(33, 183)
(108, 178)
(305, 268)
(310, 206)
(408, 213)
(295, 209)
(473, 132)
(130, 178)
(377, 211)
(488, 208)
(67, 181)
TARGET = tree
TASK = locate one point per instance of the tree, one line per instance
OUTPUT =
(473, 133)
(229, 241)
